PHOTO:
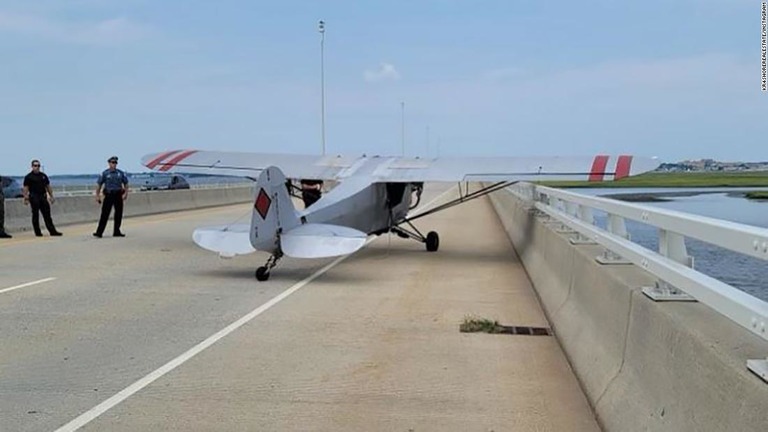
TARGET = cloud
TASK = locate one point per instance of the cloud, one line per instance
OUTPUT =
(106, 32)
(385, 72)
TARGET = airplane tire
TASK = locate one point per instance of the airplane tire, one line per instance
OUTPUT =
(433, 241)
(262, 274)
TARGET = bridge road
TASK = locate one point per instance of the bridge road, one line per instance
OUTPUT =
(371, 344)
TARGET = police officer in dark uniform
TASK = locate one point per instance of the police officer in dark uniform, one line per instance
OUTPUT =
(39, 195)
(115, 186)
(3, 234)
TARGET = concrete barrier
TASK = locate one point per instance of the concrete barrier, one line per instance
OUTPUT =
(79, 209)
(643, 365)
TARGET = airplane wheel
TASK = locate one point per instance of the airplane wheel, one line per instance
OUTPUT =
(262, 274)
(433, 241)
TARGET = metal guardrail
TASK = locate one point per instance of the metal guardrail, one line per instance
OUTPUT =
(81, 190)
(671, 264)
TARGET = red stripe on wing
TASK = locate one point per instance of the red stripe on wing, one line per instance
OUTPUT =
(598, 168)
(176, 159)
(622, 167)
(153, 163)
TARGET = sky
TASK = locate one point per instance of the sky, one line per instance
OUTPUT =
(82, 80)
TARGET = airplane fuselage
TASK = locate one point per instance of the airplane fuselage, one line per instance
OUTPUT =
(372, 208)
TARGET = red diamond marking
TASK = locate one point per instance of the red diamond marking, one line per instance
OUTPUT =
(262, 203)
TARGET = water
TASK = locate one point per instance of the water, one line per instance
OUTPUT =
(741, 271)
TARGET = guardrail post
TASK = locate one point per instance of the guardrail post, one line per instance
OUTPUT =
(554, 223)
(526, 193)
(672, 246)
(584, 214)
(550, 201)
(546, 200)
(526, 190)
(617, 227)
(568, 208)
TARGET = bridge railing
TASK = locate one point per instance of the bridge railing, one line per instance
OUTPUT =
(79, 190)
(671, 264)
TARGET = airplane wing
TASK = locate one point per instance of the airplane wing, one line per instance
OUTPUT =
(403, 169)
(244, 164)
(493, 169)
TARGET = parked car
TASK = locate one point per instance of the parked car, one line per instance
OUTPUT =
(11, 188)
(160, 182)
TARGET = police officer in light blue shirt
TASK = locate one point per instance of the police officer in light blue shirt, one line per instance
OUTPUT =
(114, 185)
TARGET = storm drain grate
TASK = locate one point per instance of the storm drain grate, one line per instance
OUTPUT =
(493, 327)
(522, 330)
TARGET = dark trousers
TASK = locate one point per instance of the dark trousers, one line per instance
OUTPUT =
(39, 205)
(111, 199)
(2, 212)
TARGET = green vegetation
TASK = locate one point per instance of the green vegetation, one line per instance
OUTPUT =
(757, 195)
(476, 325)
(675, 179)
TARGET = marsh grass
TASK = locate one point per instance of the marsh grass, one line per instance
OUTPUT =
(687, 179)
(757, 195)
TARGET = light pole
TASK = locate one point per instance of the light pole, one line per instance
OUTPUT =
(402, 127)
(321, 29)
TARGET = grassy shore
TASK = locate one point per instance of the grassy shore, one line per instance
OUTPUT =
(757, 195)
(677, 180)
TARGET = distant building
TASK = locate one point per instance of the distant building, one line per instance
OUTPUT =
(712, 165)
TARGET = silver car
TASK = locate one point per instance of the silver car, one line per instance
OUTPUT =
(160, 182)
(11, 188)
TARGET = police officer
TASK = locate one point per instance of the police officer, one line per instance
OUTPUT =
(39, 195)
(115, 187)
(3, 234)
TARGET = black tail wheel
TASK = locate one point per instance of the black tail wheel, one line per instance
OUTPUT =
(262, 274)
(432, 241)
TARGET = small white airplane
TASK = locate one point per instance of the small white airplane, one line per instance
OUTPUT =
(373, 196)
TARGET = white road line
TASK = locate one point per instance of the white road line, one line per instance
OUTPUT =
(5, 290)
(127, 392)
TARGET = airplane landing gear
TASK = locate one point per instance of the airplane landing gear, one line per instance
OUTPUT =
(262, 273)
(432, 241)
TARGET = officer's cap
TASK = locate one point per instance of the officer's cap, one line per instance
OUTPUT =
(112, 159)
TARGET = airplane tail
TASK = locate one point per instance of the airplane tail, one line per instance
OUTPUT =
(275, 224)
(273, 211)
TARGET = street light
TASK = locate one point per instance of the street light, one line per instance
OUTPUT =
(321, 29)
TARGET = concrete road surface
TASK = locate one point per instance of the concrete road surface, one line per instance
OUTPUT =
(132, 334)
